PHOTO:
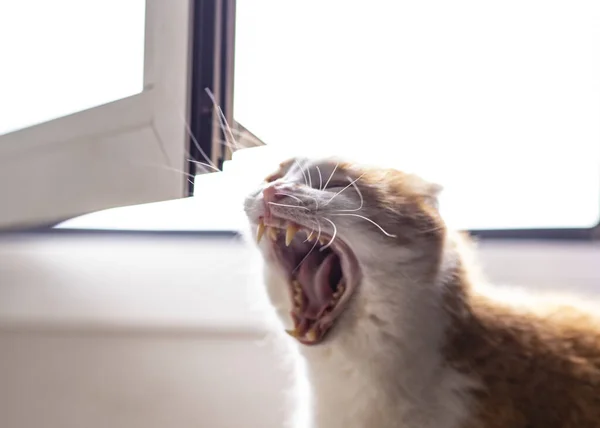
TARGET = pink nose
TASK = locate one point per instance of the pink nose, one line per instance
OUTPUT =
(270, 193)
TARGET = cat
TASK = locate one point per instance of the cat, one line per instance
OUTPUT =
(384, 304)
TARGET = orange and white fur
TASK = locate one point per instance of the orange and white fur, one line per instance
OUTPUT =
(408, 339)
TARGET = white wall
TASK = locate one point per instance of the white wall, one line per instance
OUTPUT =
(154, 331)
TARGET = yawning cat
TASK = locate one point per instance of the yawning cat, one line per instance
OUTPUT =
(385, 306)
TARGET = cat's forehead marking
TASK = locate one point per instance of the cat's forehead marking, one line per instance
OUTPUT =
(327, 168)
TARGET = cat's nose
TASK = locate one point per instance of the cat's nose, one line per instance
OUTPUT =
(272, 193)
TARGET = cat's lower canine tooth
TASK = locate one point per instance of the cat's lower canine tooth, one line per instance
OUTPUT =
(290, 232)
(260, 231)
(311, 335)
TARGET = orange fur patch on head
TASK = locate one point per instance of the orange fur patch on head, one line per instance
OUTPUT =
(404, 203)
(283, 167)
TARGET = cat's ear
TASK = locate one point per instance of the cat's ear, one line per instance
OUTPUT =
(283, 168)
(429, 191)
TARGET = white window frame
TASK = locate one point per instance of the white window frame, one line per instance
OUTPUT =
(126, 152)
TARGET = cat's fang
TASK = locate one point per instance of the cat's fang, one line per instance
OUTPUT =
(311, 335)
(294, 333)
(290, 232)
(260, 231)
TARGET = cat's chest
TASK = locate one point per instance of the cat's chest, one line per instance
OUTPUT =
(347, 395)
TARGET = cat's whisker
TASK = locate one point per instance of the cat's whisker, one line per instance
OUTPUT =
(222, 119)
(311, 250)
(288, 206)
(196, 143)
(332, 237)
(320, 177)
(368, 219)
(170, 168)
(204, 164)
(350, 184)
(331, 176)
(362, 201)
(290, 196)
(227, 144)
(302, 171)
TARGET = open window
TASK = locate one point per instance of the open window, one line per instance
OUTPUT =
(96, 103)
(498, 102)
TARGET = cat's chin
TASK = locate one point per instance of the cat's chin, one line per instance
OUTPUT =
(321, 273)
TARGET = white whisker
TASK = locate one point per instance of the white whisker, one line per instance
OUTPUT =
(320, 177)
(351, 183)
(204, 164)
(221, 117)
(290, 196)
(288, 206)
(302, 171)
(311, 250)
(331, 176)
(369, 220)
(197, 144)
(334, 234)
(170, 168)
(227, 144)
(309, 177)
(362, 201)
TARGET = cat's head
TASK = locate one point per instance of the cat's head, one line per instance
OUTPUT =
(339, 238)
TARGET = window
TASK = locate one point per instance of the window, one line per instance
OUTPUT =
(94, 106)
(499, 102)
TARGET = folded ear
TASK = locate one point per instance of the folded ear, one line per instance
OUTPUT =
(283, 168)
(428, 190)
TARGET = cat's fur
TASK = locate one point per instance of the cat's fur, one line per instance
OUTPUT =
(419, 346)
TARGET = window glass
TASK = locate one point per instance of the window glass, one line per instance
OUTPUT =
(63, 56)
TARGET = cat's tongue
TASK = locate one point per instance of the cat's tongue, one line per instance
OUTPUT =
(314, 275)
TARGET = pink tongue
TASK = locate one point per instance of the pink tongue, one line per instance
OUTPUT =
(314, 277)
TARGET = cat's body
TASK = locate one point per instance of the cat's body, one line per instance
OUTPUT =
(414, 344)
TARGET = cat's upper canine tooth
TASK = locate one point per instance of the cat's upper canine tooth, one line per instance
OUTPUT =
(260, 231)
(290, 232)
(322, 241)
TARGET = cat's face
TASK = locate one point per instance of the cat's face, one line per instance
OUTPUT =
(328, 228)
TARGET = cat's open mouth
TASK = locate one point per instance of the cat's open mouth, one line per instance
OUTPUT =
(322, 275)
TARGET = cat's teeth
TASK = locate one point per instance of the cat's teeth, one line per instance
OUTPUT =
(294, 333)
(322, 241)
(338, 293)
(260, 231)
(290, 232)
(299, 300)
(311, 236)
(311, 335)
(272, 233)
